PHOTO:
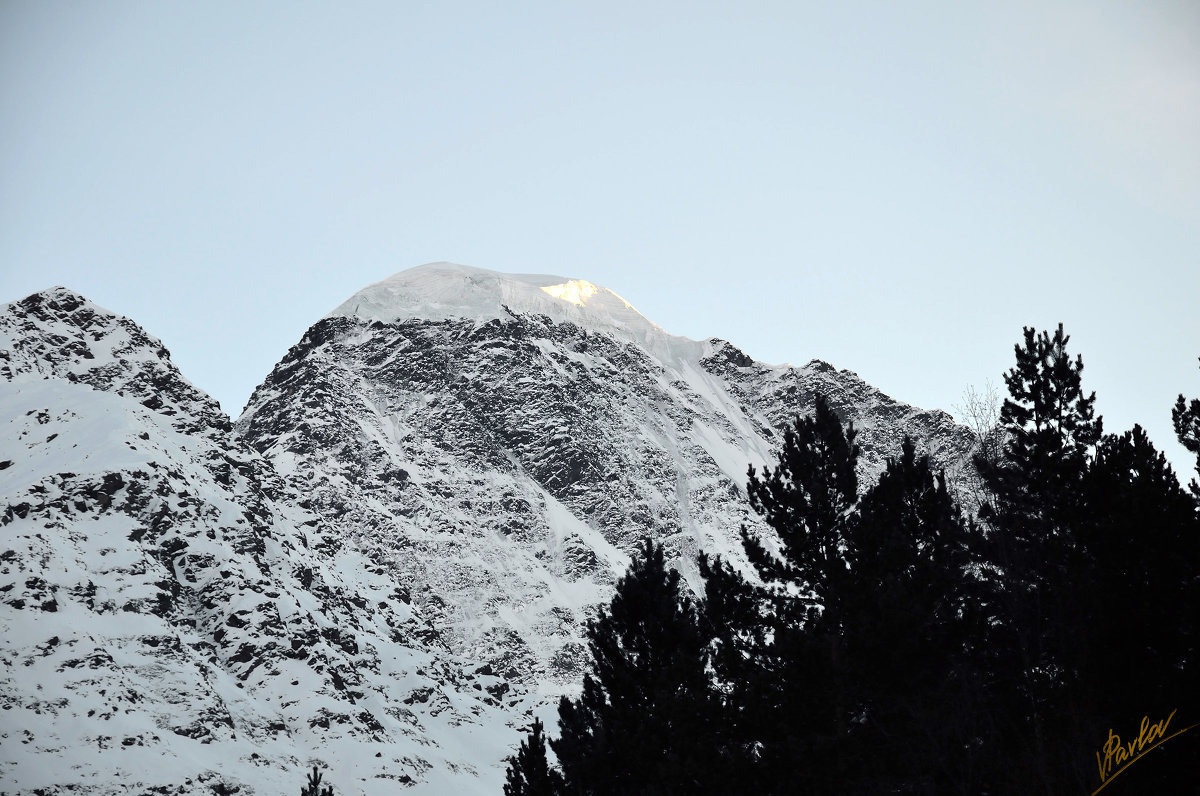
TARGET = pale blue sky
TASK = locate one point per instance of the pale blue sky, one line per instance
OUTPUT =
(894, 187)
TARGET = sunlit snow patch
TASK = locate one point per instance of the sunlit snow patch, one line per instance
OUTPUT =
(576, 291)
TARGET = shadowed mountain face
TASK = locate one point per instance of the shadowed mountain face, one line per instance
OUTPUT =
(386, 563)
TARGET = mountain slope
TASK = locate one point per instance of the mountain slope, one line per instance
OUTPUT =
(500, 442)
(171, 619)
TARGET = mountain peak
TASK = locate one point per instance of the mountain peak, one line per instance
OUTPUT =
(439, 291)
(59, 334)
(58, 300)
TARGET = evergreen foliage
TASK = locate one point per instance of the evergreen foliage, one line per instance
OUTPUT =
(1033, 547)
(1093, 549)
(905, 630)
(314, 786)
(1142, 539)
(643, 723)
(1186, 417)
(1051, 431)
(884, 644)
(797, 667)
(806, 500)
(529, 772)
(849, 648)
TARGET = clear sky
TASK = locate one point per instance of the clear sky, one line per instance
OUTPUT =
(896, 188)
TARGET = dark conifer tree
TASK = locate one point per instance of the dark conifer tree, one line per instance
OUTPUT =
(1051, 430)
(529, 772)
(779, 651)
(1037, 563)
(914, 698)
(643, 724)
(314, 786)
(734, 616)
(1186, 417)
(851, 648)
(806, 500)
(1143, 545)
(1141, 537)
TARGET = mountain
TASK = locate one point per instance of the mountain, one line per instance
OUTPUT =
(385, 565)
(172, 619)
(499, 443)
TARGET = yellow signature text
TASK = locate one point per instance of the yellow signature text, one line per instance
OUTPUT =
(1120, 755)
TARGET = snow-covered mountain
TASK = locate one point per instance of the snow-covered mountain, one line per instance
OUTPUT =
(386, 563)
(500, 443)
(172, 619)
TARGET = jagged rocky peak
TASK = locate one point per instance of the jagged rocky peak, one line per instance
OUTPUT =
(440, 291)
(57, 333)
(501, 442)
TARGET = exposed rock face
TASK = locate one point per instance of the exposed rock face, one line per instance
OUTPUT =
(501, 462)
(171, 619)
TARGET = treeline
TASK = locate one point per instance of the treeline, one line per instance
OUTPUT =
(887, 642)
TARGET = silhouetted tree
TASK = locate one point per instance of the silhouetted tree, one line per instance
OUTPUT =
(1143, 547)
(644, 722)
(1037, 563)
(1051, 431)
(1186, 418)
(779, 651)
(314, 787)
(883, 644)
(806, 500)
(1140, 586)
(913, 697)
(529, 772)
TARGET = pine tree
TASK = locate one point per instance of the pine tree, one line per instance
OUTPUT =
(1141, 538)
(1186, 418)
(1051, 430)
(905, 634)
(314, 787)
(1143, 543)
(643, 724)
(529, 772)
(733, 616)
(779, 652)
(1037, 564)
(806, 500)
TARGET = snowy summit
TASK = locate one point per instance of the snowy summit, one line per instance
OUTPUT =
(439, 291)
